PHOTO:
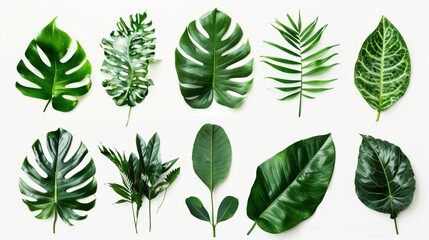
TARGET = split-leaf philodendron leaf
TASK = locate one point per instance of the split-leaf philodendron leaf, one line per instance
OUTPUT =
(206, 62)
(211, 158)
(128, 53)
(384, 178)
(383, 68)
(142, 175)
(303, 62)
(60, 76)
(57, 198)
(290, 186)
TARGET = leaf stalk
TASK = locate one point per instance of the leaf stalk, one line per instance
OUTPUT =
(251, 229)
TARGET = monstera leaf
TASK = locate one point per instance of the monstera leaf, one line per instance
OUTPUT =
(59, 196)
(211, 158)
(383, 68)
(290, 186)
(206, 62)
(128, 53)
(61, 79)
(384, 178)
(302, 63)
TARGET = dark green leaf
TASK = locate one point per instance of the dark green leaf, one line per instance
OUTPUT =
(292, 23)
(54, 79)
(282, 60)
(227, 209)
(57, 199)
(207, 74)
(197, 209)
(288, 89)
(121, 190)
(308, 30)
(285, 81)
(128, 52)
(122, 201)
(320, 62)
(318, 82)
(383, 67)
(315, 90)
(319, 70)
(384, 177)
(289, 38)
(293, 95)
(167, 165)
(281, 68)
(211, 155)
(290, 186)
(288, 29)
(319, 53)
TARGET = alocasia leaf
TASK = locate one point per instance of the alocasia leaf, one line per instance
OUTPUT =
(290, 186)
(383, 68)
(206, 62)
(384, 177)
(128, 53)
(57, 198)
(60, 80)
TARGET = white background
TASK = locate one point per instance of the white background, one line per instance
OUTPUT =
(259, 129)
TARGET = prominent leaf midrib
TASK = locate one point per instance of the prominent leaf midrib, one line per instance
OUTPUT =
(288, 187)
(211, 159)
(131, 70)
(214, 53)
(382, 68)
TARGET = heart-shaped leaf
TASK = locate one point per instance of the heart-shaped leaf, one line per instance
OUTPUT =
(128, 53)
(383, 68)
(197, 208)
(62, 79)
(59, 195)
(227, 209)
(290, 186)
(206, 62)
(384, 177)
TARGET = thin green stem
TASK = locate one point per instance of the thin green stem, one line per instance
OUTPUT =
(213, 217)
(55, 220)
(150, 216)
(251, 229)
(129, 114)
(396, 227)
(134, 218)
(162, 201)
(301, 77)
(47, 104)
(378, 116)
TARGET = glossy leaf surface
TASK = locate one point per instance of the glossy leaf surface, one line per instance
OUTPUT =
(57, 78)
(197, 209)
(383, 68)
(227, 208)
(384, 177)
(128, 53)
(301, 61)
(62, 192)
(206, 62)
(290, 186)
(211, 155)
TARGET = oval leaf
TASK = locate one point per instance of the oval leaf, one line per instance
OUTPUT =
(384, 177)
(290, 186)
(227, 209)
(128, 53)
(57, 199)
(197, 208)
(211, 155)
(383, 68)
(206, 63)
(53, 80)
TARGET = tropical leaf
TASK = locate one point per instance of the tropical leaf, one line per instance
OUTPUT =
(142, 174)
(128, 53)
(302, 61)
(59, 79)
(383, 67)
(206, 62)
(290, 186)
(61, 193)
(384, 177)
(211, 158)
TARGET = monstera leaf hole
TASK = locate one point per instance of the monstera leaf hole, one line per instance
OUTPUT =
(213, 61)
(56, 69)
(59, 180)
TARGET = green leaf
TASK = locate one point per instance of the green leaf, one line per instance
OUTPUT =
(293, 68)
(227, 209)
(197, 209)
(383, 67)
(318, 82)
(53, 79)
(167, 165)
(128, 53)
(384, 177)
(206, 66)
(172, 175)
(211, 155)
(56, 198)
(290, 186)
(121, 190)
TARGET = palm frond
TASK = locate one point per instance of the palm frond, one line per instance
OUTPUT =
(302, 61)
